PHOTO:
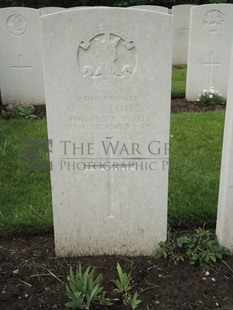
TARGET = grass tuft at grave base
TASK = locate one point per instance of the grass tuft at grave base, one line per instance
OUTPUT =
(195, 158)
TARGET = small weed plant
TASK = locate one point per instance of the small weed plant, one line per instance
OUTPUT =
(18, 111)
(169, 250)
(124, 286)
(210, 96)
(200, 248)
(84, 290)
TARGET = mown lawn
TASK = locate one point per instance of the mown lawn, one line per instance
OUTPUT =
(178, 81)
(25, 197)
(195, 160)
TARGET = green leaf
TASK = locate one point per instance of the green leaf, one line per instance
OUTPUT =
(85, 276)
(72, 287)
(94, 291)
(213, 257)
(133, 301)
(84, 290)
(71, 273)
(69, 304)
(120, 272)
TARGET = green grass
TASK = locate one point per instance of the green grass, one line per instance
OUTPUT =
(195, 160)
(178, 81)
(25, 199)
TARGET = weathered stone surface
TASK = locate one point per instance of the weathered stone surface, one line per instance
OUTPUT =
(210, 41)
(156, 8)
(21, 73)
(108, 108)
(225, 204)
(181, 17)
(50, 9)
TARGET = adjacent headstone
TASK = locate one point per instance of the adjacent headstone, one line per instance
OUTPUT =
(155, 8)
(210, 40)
(224, 228)
(50, 9)
(108, 107)
(79, 7)
(181, 16)
(21, 72)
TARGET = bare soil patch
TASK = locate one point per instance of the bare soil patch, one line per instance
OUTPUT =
(25, 282)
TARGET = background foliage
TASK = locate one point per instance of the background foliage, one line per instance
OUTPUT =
(70, 3)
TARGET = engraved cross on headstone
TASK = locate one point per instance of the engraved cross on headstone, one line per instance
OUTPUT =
(110, 177)
(184, 33)
(20, 66)
(211, 63)
(110, 185)
(109, 182)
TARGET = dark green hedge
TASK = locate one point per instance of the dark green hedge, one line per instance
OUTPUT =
(70, 3)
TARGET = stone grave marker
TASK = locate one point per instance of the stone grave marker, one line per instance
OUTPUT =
(210, 40)
(107, 85)
(79, 7)
(224, 228)
(21, 72)
(181, 16)
(50, 9)
(156, 8)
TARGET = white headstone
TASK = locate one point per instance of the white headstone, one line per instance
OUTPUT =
(21, 72)
(79, 7)
(224, 228)
(107, 84)
(50, 9)
(210, 40)
(155, 8)
(181, 16)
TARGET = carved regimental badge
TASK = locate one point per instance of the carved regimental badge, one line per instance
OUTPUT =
(107, 58)
(16, 24)
(214, 21)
